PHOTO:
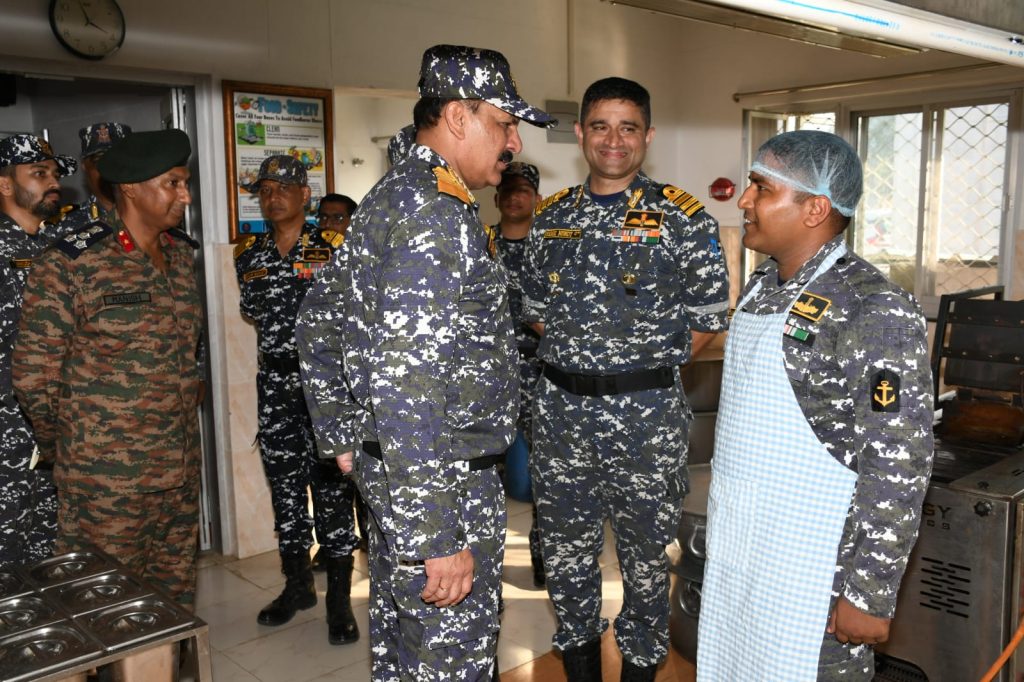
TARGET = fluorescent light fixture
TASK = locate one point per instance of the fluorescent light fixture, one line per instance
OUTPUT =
(875, 21)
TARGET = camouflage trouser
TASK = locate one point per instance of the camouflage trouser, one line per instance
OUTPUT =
(620, 457)
(291, 463)
(529, 373)
(844, 662)
(154, 535)
(417, 642)
(28, 507)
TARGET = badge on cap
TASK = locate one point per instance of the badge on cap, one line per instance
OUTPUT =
(885, 391)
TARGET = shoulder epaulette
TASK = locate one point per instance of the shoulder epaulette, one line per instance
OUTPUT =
(244, 245)
(686, 202)
(492, 239)
(78, 242)
(178, 233)
(59, 216)
(449, 183)
(332, 237)
(557, 196)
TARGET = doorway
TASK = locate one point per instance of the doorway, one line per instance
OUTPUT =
(55, 108)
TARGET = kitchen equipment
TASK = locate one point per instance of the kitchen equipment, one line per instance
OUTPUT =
(96, 592)
(123, 625)
(64, 568)
(962, 592)
(689, 567)
(25, 613)
(31, 654)
(702, 384)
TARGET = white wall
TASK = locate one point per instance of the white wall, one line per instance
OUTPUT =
(363, 47)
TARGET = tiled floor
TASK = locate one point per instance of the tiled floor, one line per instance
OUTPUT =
(231, 592)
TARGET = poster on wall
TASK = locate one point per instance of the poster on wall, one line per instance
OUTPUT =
(266, 120)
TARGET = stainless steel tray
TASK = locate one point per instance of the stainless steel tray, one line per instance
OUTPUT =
(97, 592)
(25, 613)
(34, 653)
(64, 568)
(14, 584)
(128, 624)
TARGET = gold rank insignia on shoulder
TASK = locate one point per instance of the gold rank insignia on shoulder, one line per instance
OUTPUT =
(450, 183)
(492, 241)
(254, 274)
(811, 306)
(557, 196)
(244, 245)
(885, 391)
(685, 201)
(21, 263)
(563, 233)
(333, 238)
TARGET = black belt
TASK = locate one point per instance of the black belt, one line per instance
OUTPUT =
(281, 363)
(372, 448)
(611, 384)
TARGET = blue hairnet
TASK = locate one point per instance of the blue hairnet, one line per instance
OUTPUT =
(815, 162)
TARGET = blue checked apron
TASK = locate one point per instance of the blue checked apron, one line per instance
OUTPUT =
(777, 506)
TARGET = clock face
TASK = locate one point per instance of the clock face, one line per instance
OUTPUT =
(89, 28)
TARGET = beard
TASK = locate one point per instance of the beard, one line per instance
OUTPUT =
(42, 209)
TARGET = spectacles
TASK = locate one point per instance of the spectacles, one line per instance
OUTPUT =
(329, 219)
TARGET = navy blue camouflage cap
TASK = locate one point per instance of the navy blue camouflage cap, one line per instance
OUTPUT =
(522, 170)
(99, 137)
(401, 144)
(283, 168)
(459, 72)
(21, 149)
(144, 155)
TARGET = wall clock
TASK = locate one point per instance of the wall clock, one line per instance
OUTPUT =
(91, 29)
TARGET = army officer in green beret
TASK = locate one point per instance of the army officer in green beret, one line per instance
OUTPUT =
(105, 367)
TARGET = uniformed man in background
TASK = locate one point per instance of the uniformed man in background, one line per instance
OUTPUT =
(334, 212)
(628, 280)
(824, 444)
(96, 140)
(274, 272)
(409, 361)
(516, 199)
(30, 192)
(105, 367)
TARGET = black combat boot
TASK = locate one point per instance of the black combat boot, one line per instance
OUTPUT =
(583, 663)
(299, 591)
(341, 623)
(631, 672)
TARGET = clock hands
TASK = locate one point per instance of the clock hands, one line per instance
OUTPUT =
(88, 20)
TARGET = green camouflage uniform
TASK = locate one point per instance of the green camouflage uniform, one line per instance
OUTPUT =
(105, 368)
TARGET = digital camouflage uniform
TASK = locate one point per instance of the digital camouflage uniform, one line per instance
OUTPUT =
(513, 256)
(407, 341)
(105, 368)
(619, 288)
(28, 499)
(272, 290)
(870, 331)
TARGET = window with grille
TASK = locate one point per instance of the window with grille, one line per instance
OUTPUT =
(935, 178)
